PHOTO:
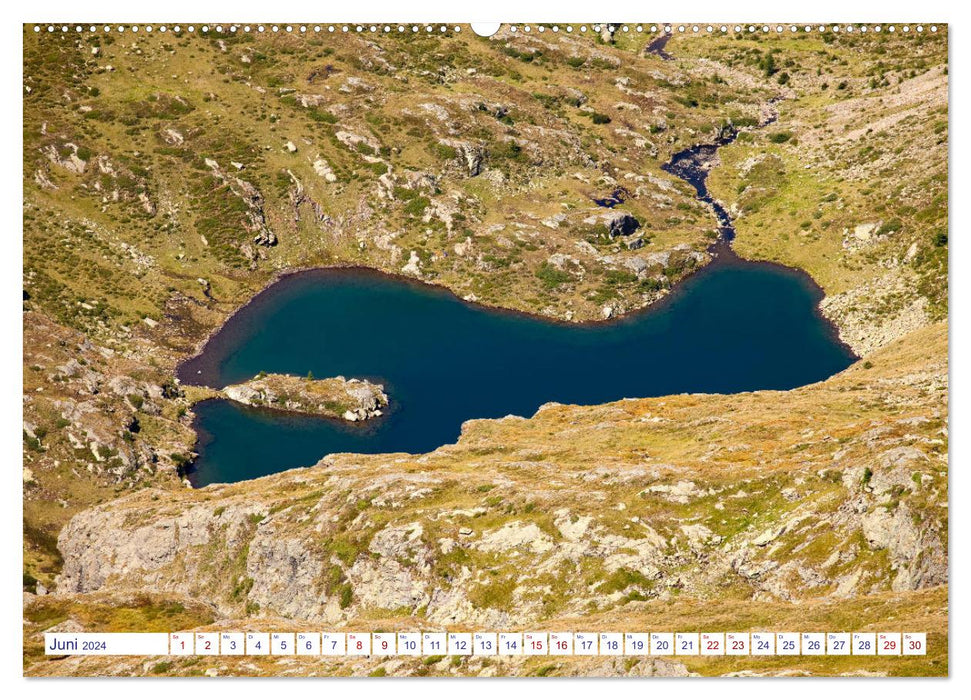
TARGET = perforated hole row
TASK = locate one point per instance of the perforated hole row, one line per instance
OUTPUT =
(232, 28)
(443, 29)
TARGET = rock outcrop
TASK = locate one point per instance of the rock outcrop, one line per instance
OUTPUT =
(253, 199)
(622, 224)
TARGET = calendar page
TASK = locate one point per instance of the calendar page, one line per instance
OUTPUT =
(398, 349)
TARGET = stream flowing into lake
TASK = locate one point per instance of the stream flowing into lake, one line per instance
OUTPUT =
(733, 326)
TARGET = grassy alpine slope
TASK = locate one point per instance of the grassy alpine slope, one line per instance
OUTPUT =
(168, 178)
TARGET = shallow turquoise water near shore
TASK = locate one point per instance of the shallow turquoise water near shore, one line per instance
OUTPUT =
(734, 326)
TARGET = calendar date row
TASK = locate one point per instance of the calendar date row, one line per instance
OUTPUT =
(488, 644)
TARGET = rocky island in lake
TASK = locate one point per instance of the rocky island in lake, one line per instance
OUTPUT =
(350, 399)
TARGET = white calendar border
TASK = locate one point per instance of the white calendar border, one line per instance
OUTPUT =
(509, 10)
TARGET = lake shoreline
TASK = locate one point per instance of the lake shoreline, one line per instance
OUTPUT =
(195, 371)
(735, 326)
(721, 252)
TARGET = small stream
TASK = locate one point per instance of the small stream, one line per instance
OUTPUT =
(656, 47)
(694, 163)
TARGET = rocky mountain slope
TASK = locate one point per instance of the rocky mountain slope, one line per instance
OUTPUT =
(850, 182)
(168, 178)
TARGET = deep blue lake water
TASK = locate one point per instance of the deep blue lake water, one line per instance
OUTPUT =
(733, 326)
